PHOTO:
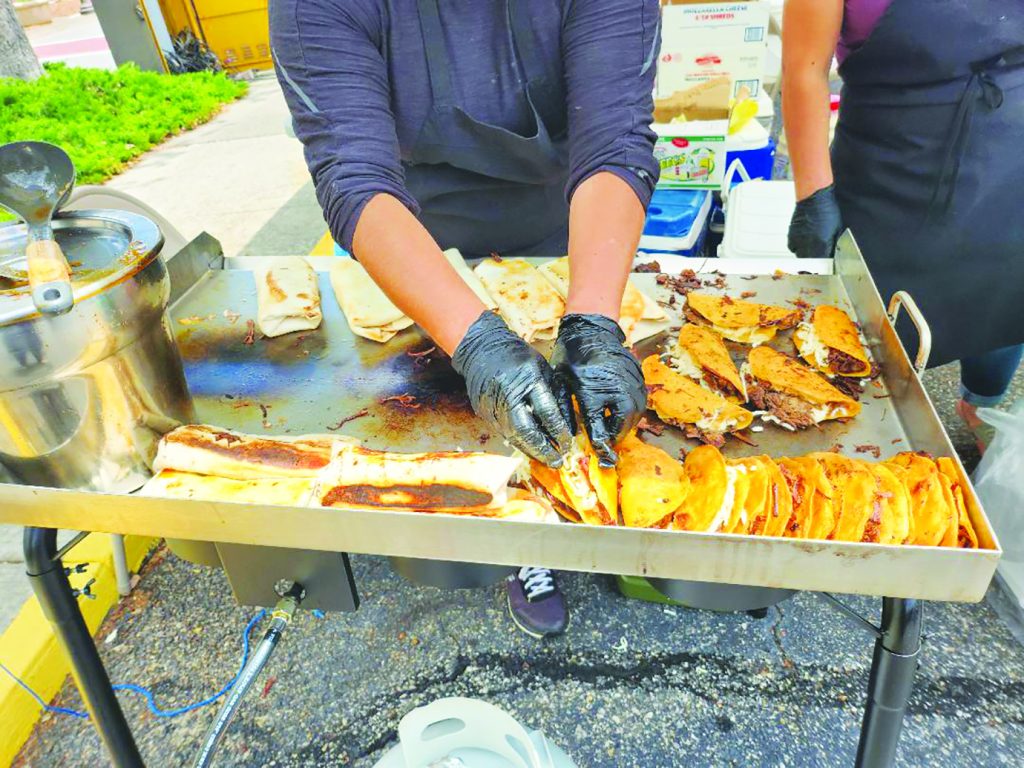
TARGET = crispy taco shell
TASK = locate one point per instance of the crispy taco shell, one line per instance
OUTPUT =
(853, 495)
(931, 501)
(592, 490)
(711, 491)
(967, 537)
(652, 484)
(679, 400)
(701, 355)
(784, 374)
(811, 496)
(743, 321)
(831, 343)
(894, 527)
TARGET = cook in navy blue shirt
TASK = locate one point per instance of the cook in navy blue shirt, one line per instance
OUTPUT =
(515, 126)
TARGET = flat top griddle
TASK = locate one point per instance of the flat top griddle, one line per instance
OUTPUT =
(313, 382)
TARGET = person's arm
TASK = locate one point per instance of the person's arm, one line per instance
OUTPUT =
(335, 81)
(810, 32)
(610, 51)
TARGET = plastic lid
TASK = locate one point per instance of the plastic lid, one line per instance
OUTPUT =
(675, 219)
(103, 247)
(757, 221)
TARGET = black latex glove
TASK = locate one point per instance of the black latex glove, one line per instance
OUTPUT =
(512, 388)
(591, 363)
(816, 225)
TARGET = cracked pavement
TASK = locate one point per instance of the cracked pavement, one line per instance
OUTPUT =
(631, 684)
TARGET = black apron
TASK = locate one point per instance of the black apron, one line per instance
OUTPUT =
(929, 169)
(481, 187)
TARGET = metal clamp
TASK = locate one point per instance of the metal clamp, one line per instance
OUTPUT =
(924, 333)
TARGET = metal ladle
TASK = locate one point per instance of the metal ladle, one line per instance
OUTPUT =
(35, 177)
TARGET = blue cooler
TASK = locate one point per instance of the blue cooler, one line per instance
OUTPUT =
(755, 150)
(677, 222)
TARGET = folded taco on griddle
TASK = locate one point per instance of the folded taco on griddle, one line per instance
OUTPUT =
(967, 537)
(893, 503)
(547, 483)
(751, 489)
(936, 520)
(680, 401)
(744, 321)
(652, 484)
(853, 496)
(709, 501)
(830, 342)
(790, 393)
(811, 493)
(592, 490)
(701, 355)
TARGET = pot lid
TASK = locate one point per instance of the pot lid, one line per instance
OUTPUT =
(103, 247)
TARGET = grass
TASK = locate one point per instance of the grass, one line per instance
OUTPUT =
(105, 119)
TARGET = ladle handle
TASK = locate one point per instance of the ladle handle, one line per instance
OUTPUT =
(49, 276)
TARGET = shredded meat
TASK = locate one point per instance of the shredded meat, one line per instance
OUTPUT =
(647, 426)
(693, 432)
(787, 321)
(840, 362)
(873, 527)
(849, 386)
(686, 282)
(347, 419)
(719, 384)
(715, 282)
(403, 400)
(796, 485)
(693, 316)
(651, 266)
(748, 294)
(786, 408)
(874, 450)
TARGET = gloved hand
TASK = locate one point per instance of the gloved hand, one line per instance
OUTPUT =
(816, 225)
(591, 363)
(511, 387)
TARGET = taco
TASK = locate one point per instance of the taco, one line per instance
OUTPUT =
(709, 501)
(893, 504)
(652, 484)
(546, 483)
(743, 321)
(831, 343)
(679, 400)
(853, 495)
(936, 520)
(811, 493)
(967, 537)
(592, 490)
(791, 394)
(701, 355)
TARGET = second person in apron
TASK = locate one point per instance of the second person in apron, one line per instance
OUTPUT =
(515, 126)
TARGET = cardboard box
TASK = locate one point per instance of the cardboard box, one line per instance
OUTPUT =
(704, 41)
(692, 152)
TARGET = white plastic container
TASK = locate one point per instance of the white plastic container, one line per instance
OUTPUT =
(469, 733)
(757, 219)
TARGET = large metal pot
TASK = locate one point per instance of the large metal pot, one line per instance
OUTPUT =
(710, 596)
(446, 574)
(86, 396)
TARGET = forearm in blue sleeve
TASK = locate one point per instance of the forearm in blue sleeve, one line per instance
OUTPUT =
(610, 50)
(335, 83)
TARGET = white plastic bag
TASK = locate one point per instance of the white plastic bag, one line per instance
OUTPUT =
(999, 479)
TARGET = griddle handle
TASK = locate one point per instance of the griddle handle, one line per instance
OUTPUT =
(924, 333)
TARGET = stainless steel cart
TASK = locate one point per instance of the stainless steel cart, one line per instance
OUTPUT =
(312, 381)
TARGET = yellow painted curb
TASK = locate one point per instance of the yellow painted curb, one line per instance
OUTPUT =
(30, 650)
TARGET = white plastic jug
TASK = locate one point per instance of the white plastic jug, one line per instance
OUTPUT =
(469, 733)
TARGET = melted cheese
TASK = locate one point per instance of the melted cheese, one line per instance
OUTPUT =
(811, 346)
(825, 412)
(753, 336)
(725, 511)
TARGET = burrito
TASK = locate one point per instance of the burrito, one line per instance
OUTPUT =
(205, 450)
(936, 518)
(967, 537)
(367, 309)
(787, 392)
(639, 315)
(831, 343)
(743, 321)
(652, 484)
(454, 257)
(284, 491)
(440, 481)
(853, 496)
(529, 304)
(680, 401)
(811, 494)
(701, 355)
(287, 297)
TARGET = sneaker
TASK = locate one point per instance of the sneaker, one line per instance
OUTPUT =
(535, 603)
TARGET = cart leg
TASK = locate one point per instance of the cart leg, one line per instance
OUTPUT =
(892, 679)
(59, 604)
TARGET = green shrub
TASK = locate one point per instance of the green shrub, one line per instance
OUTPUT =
(104, 119)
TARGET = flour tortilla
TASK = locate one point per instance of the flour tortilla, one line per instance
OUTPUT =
(454, 257)
(208, 450)
(283, 491)
(287, 297)
(367, 309)
(362, 477)
(526, 300)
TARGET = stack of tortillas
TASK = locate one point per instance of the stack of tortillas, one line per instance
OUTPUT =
(369, 312)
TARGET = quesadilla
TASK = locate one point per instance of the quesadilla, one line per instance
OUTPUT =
(853, 496)
(831, 343)
(454, 257)
(529, 304)
(936, 518)
(744, 321)
(652, 484)
(284, 491)
(639, 315)
(592, 490)
(207, 450)
(709, 502)
(368, 311)
(811, 495)
(287, 297)
(681, 401)
(967, 537)
(790, 394)
(701, 355)
(450, 480)
(892, 505)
